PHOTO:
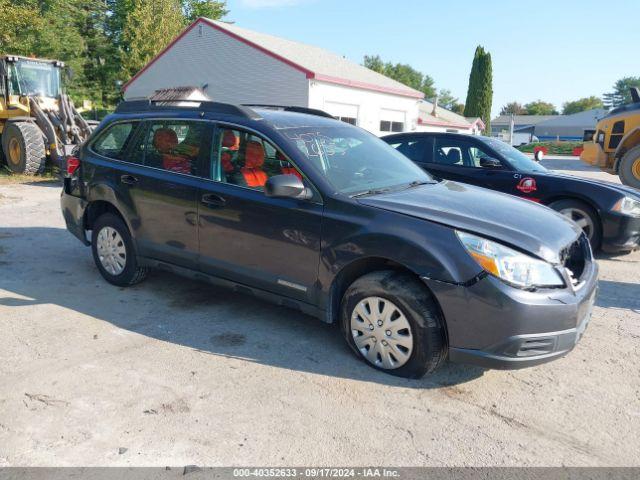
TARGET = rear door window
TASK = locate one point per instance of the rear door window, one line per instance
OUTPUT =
(115, 140)
(174, 145)
(414, 148)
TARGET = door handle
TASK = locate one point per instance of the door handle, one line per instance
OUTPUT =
(213, 200)
(128, 179)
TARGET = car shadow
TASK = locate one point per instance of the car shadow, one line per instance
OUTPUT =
(619, 295)
(40, 266)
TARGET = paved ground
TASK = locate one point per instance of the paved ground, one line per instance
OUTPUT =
(173, 372)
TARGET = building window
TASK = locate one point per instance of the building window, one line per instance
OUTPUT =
(388, 126)
(349, 120)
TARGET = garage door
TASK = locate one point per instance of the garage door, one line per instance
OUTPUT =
(343, 111)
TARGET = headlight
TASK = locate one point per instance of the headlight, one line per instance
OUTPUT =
(627, 206)
(509, 265)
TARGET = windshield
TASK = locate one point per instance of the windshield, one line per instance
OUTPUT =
(515, 157)
(354, 161)
(30, 77)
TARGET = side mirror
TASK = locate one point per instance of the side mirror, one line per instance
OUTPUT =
(538, 156)
(487, 162)
(286, 186)
(3, 69)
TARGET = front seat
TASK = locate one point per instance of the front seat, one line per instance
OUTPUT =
(251, 172)
(454, 157)
(286, 168)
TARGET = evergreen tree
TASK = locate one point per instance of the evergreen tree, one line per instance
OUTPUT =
(480, 91)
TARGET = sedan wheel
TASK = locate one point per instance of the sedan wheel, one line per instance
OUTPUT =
(112, 251)
(381, 332)
(582, 219)
(584, 216)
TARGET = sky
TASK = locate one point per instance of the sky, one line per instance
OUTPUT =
(551, 50)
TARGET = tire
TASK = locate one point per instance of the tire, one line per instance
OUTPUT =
(629, 168)
(130, 273)
(23, 148)
(585, 216)
(414, 303)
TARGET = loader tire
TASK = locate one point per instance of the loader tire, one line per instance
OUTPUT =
(629, 168)
(23, 148)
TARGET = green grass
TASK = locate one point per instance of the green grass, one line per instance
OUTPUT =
(555, 148)
(7, 177)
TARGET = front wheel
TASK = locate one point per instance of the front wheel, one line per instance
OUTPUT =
(23, 148)
(391, 321)
(584, 216)
(113, 252)
(629, 169)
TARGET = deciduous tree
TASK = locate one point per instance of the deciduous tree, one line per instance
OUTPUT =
(513, 108)
(402, 73)
(620, 94)
(540, 108)
(581, 105)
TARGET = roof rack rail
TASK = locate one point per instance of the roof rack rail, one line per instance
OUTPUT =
(147, 105)
(291, 108)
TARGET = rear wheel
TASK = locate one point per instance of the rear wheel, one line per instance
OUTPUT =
(629, 168)
(584, 216)
(23, 148)
(392, 322)
(113, 252)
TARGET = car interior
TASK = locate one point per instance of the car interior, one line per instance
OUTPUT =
(248, 160)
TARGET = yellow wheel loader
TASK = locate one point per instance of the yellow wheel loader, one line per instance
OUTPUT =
(614, 146)
(37, 120)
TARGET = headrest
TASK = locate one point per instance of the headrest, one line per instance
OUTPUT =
(165, 140)
(453, 156)
(230, 140)
(254, 155)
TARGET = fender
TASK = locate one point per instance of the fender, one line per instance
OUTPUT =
(427, 246)
(630, 140)
(105, 192)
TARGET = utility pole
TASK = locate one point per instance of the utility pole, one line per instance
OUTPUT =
(511, 124)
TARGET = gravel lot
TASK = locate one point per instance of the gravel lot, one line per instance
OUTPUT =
(174, 372)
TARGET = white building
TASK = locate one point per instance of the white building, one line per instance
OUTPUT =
(235, 65)
(433, 118)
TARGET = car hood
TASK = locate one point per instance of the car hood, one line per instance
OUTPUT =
(622, 189)
(507, 219)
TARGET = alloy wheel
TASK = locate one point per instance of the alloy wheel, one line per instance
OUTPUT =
(381, 333)
(582, 218)
(112, 251)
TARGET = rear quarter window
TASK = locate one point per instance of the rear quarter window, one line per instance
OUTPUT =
(115, 140)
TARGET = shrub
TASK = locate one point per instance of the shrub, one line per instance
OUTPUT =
(552, 148)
